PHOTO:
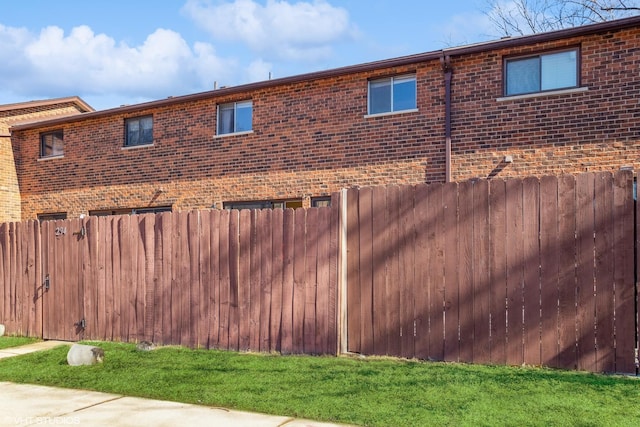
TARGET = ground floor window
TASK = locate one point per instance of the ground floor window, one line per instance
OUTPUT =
(52, 216)
(130, 211)
(264, 204)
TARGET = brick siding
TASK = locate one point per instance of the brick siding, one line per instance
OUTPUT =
(10, 209)
(311, 137)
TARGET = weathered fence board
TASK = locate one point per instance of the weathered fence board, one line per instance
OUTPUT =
(532, 271)
(523, 271)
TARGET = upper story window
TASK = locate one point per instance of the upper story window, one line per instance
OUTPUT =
(51, 144)
(139, 131)
(235, 117)
(539, 73)
(392, 94)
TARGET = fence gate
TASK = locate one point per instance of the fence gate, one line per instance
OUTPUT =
(62, 270)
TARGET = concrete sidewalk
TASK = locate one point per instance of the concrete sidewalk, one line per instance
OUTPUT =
(24, 404)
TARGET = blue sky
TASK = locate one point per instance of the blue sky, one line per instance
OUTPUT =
(115, 52)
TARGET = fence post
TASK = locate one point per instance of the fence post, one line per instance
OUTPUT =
(342, 274)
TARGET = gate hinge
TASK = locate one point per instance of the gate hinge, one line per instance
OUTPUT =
(82, 324)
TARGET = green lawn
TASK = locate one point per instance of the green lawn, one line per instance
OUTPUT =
(371, 391)
(9, 341)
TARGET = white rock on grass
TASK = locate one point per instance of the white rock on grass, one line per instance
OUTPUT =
(80, 354)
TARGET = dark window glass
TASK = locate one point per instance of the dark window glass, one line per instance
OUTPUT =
(139, 131)
(51, 144)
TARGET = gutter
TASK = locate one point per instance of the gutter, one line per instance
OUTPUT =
(445, 60)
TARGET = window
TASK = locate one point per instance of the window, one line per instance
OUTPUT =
(320, 202)
(392, 94)
(235, 117)
(550, 71)
(265, 204)
(128, 211)
(52, 216)
(139, 131)
(51, 144)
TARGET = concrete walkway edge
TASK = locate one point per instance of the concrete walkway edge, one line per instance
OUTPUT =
(26, 404)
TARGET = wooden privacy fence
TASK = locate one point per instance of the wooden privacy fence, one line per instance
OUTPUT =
(533, 271)
(519, 271)
(240, 280)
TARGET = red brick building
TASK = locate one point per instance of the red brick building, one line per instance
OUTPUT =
(22, 113)
(565, 101)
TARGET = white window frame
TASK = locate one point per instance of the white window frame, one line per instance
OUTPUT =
(541, 90)
(236, 105)
(392, 80)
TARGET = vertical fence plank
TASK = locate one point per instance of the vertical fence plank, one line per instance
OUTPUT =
(393, 284)
(481, 275)
(334, 272)
(288, 241)
(436, 278)
(251, 265)
(38, 282)
(277, 239)
(249, 280)
(90, 272)
(235, 292)
(623, 272)
(168, 322)
(604, 265)
(18, 277)
(324, 281)
(585, 301)
(214, 296)
(225, 297)
(406, 262)
(195, 287)
(310, 281)
(125, 276)
(498, 270)
(567, 273)
(354, 325)
(205, 279)
(423, 253)
(159, 274)
(381, 239)
(466, 315)
(299, 301)
(549, 248)
(114, 288)
(451, 304)
(514, 271)
(531, 276)
(4, 273)
(366, 249)
(266, 226)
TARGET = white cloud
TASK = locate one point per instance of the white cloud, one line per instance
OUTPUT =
(297, 31)
(84, 63)
(258, 71)
(465, 28)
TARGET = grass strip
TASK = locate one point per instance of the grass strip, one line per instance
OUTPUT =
(366, 392)
(11, 341)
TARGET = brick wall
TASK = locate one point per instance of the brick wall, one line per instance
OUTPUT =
(309, 139)
(592, 130)
(9, 189)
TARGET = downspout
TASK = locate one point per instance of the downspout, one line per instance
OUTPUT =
(445, 60)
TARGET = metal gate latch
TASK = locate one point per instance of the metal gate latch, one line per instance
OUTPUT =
(47, 283)
(82, 324)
